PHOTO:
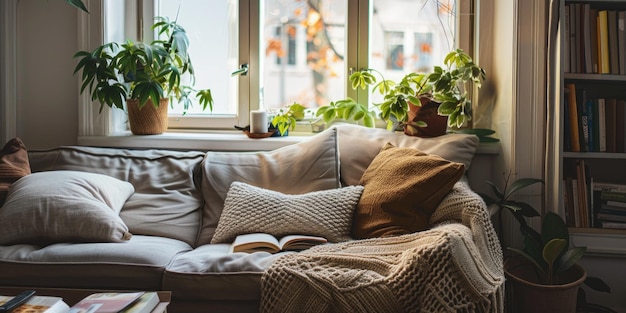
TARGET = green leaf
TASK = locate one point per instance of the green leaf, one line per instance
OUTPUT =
(77, 4)
(571, 257)
(553, 249)
(521, 184)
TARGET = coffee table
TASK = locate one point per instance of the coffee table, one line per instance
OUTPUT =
(72, 296)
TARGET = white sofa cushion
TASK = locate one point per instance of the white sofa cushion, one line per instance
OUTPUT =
(304, 167)
(167, 200)
(65, 206)
(359, 145)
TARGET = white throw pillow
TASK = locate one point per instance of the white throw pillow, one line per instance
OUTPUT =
(307, 166)
(250, 209)
(64, 206)
(359, 145)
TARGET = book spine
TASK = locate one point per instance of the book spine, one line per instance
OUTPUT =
(589, 107)
(602, 125)
(621, 41)
(603, 40)
(583, 123)
(573, 117)
(586, 29)
(613, 225)
(620, 110)
(605, 186)
(595, 111)
(613, 42)
(611, 127)
(613, 195)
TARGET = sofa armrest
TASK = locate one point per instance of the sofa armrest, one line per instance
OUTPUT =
(463, 205)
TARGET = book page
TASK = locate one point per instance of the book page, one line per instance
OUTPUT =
(255, 242)
(300, 242)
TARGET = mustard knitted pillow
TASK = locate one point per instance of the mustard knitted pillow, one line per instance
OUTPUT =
(250, 209)
(403, 187)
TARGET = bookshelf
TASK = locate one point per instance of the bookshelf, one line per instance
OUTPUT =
(591, 119)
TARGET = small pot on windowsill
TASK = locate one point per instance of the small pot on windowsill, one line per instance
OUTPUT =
(436, 125)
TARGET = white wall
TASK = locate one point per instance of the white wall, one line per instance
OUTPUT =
(46, 88)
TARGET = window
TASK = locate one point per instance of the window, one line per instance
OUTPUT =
(302, 50)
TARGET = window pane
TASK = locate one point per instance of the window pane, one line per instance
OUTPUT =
(410, 36)
(303, 43)
(212, 30)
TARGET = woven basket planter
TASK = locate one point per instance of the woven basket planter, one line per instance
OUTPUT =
(148, 120)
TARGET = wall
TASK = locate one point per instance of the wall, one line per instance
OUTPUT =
(46, 88)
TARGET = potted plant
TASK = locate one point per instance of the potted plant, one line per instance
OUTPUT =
(440, 93)
(142, 73)
(544, 275)
(285, 119)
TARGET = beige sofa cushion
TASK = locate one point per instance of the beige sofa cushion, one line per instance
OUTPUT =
(359, 145)
(64, 206)
(324, 213)
(13, 165)
(307, 166)
(167, 197)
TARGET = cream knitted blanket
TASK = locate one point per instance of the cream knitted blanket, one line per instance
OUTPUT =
(456, 266)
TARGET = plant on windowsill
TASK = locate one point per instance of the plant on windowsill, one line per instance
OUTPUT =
(545, 275)
(419, 100)
(285, 119)
(147, 76)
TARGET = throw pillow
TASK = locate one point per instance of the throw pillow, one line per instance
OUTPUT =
(64, 206)
(307, 166)
(359, 145)
(403, 187)
(250, 209)
(13, 165)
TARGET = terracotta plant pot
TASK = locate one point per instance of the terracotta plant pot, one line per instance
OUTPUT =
(528, 295)
(437, 125)
(148, 120)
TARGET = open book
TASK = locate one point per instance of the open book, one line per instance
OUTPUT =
(265, 242)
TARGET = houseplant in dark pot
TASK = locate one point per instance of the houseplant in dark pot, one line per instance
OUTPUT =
(421, 104)
(544, 275)
(145, 76)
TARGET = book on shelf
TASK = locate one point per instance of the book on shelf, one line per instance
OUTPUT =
(106, 302)
(265, 242)
(603, 43)
(39, 304)
(608, 217)
(612, 225)
(621, 41)
(586, 39)
(611, 195)
(620, 110)
(612, 28)
(618, 204)
(146, 303)
(572, 109)
(611, 209)
(601, 125)
(611, 127)
(609, 186)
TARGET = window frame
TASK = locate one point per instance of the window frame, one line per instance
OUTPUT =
(91, 34)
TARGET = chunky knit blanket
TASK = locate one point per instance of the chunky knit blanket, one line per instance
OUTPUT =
(455, 266)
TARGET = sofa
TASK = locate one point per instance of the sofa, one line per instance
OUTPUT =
(128, 219)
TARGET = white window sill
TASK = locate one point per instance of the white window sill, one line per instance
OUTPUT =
(215, 141)
(205, 141)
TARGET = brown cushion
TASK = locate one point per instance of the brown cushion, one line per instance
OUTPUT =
(13, 165)
(403, 187)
